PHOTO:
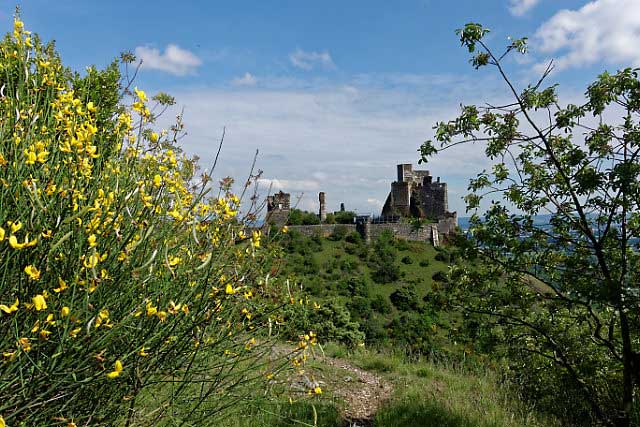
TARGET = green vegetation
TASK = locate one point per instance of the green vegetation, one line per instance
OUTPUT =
(559, 299)
(128, 294)
(423, 394)
(388, 293)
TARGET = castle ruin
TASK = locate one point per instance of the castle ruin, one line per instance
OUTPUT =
(278, 209)
(416, 195)
(413, 195)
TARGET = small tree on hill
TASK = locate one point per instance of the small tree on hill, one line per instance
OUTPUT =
(564, 293)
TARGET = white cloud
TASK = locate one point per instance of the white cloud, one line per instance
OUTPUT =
(520, 7)
(309, 60)
(375, 203)
(174, 60)
(247, 80)
(324, 138)
(289, 185)
(602, 30)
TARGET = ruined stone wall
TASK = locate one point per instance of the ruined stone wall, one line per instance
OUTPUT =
(401, 197)
(324, 230)
(402, 231)
(278, 209)
(433, 198)
(399, 230)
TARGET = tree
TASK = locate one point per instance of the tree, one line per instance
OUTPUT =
(563, 291)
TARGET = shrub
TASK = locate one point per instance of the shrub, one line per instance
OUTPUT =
(298, 217)
(354, 237)
(381, 304)
(443, 256)
(423, 263)
(405, 299)
(406, 260)
(339, 233)
(121, 276)
(439, 276)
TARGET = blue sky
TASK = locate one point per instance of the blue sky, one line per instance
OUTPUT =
(333, 93)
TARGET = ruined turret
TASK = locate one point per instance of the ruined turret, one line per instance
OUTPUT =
(278, 209)
(323, 211)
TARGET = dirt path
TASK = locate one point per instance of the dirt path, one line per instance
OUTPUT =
(363, 392)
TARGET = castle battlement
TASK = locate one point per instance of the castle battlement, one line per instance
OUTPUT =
(416, 194)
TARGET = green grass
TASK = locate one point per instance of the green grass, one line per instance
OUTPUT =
(281, 413)
(429, 394)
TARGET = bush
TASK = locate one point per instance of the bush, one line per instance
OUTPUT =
(360, 308)
(354, 237)
(423, 263)
(298, 217)
(115, 258)
(383, 262)
(405, 299)
(406, 260)
(440, 276)
(443, 256)
(339, 233)
(345, 217)
(381, 304)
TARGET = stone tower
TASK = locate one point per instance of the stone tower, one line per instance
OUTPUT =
(278, 209)
(415, 194)
(323, 210)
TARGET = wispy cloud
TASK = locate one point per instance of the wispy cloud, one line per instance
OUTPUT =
(309, 60)
(344, 139)
(173, 60)
(602, 30)
(520, 7)
(246, 80)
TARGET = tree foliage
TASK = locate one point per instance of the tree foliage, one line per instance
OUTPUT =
(559, 257)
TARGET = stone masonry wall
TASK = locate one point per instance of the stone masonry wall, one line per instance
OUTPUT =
(322, 229)
(400, 230)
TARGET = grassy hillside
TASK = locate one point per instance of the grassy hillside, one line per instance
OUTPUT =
(387, 293)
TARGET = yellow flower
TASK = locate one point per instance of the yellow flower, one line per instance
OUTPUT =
(140, 94)
(10, 309)
(91, 261)
(24, 344)
(39, 302)
(13, 242)
(154, 137)
(62, 285)
(151, 309)
(174, 260)
(1, 234)
(285, 229)
(157, 180)
(255, 239)
(31, 156)
(142, 352)
(162, 315)
(229, 289)
(32, 272)
(65, 311)
(117, 368)
(92, 241)
(317, 390)
(15, 226)
(91, 107)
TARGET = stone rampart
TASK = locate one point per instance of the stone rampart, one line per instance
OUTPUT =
(321, 229)
(399, 230)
